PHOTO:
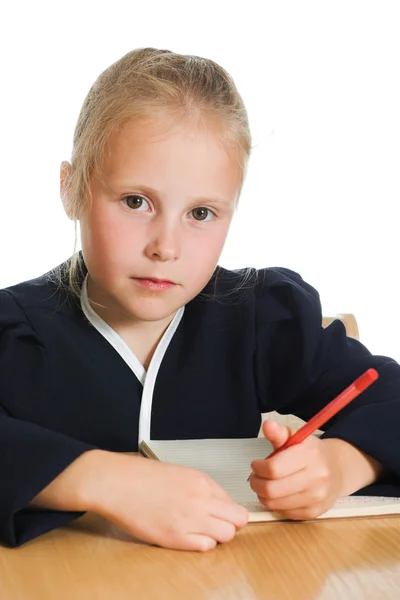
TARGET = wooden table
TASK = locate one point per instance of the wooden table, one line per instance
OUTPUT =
(93, 560)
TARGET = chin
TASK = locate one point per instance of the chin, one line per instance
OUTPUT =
(151, 313)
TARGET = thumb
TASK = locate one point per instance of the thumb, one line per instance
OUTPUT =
(276, 433)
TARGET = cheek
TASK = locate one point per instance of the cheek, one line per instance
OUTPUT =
(205, 251)
(214, 247)
(216, 240)
(108, 235)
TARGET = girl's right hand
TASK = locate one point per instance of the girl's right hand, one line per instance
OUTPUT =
(164, 504)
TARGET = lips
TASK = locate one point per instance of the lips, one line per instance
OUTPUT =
(154, 284)
(156, 280)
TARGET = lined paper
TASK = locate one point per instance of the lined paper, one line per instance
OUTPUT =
(227, 461)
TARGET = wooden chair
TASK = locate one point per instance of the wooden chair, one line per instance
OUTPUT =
(348, 320)
(351, 326)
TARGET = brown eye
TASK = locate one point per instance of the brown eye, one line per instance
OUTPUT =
(136, 203)
(201, 213)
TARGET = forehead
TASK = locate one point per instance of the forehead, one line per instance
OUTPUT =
(160, 149)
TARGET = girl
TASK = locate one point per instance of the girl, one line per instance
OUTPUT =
(142, 336)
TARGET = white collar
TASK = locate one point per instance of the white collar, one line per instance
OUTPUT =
(146, 379)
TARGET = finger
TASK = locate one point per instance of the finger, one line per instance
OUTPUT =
(276, 433)
(273, 489)
(196, 542)
(283, 464)
(219, 530)
(298, 501)
(305, 513)
(235, 514)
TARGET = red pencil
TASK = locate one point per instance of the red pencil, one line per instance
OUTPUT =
(333, 407)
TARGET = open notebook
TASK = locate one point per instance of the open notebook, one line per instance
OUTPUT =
(227, 461)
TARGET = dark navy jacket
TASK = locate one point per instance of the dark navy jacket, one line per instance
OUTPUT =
(244, 346)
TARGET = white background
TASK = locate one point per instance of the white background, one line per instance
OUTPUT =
(321, 84)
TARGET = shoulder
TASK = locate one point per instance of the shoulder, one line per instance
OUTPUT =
(285, 293)
(45, 294)
(276, 292)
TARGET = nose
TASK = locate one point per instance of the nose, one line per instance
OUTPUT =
(164, 241)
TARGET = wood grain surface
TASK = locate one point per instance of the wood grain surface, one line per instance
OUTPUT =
(93, 560)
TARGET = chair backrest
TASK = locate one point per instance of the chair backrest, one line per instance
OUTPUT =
(348, 320)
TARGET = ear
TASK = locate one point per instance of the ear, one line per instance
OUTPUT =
(65, 174)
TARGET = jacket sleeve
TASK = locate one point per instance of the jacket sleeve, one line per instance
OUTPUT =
(30, 455)
(301, 367)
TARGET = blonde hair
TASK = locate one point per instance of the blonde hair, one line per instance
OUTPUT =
(139, 85)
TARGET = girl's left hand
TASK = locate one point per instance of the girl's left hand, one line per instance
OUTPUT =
(301, 482)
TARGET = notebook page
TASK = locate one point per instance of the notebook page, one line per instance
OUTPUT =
(227, 461)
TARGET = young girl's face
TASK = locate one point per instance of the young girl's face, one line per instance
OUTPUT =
(159, 218)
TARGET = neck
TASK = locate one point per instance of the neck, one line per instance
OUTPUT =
(142, 337)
